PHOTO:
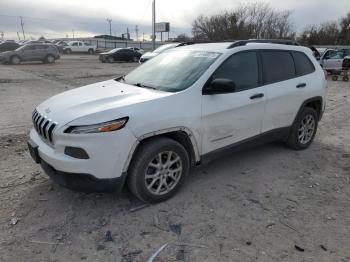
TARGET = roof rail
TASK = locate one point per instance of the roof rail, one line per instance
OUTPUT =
(270, 41)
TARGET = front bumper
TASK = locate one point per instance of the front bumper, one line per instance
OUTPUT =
(83, 182)
(105, 168)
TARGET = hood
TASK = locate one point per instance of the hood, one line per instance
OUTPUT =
(7, 53)
(96, 98)
(149, 55)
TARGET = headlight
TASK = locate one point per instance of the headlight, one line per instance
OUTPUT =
(98, 128)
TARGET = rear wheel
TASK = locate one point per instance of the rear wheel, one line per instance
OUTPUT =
(91, 51)
(110, 59)
(50, 59)
(158, 170)
(135, 59)
(345, 78)
(68, 51)
(303, 130)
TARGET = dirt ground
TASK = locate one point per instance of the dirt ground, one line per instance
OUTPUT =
(264, 204)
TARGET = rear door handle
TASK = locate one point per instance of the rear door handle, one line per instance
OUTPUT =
(301, 85)
(257, 96)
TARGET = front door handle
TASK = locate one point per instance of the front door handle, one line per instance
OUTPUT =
(301, 85)
(257, 96)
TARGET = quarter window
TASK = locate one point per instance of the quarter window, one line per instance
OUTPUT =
(277, 66)
(242, 69)
(303, 65)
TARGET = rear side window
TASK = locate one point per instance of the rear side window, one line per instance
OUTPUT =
(303, 65)
(241, 68)
(277, 66)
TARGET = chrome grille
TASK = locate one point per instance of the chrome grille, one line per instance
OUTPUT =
(43, 126)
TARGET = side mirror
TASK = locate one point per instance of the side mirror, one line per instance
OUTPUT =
(219, 86)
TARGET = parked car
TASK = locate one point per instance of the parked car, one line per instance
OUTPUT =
(149, 55)
(332, 59)
(79, 47)
(120, 54)
(47, 53)
(181, 108)
(60, 45)
(8, 46)
(136, 49)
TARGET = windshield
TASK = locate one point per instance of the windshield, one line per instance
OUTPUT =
(164, 47)
(172, 71)
(113, 50)
(21, 47)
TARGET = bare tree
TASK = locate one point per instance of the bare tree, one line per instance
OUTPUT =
(257, 20)
(324, 34)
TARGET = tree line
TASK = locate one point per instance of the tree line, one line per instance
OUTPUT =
(261, 21)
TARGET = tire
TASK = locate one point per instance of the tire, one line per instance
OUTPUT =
(335, 78)
(162, 185)
(91, 51)
(50, 59)
(68, 51)
(110, 59)
(345, 78)
(135, 59)
(15, 60)
(303, 130)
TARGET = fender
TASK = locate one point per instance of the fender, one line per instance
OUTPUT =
(313, 99)
(159, 132)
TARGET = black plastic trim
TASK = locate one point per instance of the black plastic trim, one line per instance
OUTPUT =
(76, 152)
(84, 182)
(267, 137)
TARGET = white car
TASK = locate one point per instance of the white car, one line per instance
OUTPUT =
(79, 47)
(180, 109)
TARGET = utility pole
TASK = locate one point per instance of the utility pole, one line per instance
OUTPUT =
(143, 37)
(18, 36)
(2, 35)
(127, 33)
(154, 24)
(137, 32)
(22, 24)
(73, 33)
(110, 25)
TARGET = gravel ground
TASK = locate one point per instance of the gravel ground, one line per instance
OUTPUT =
(264, 204)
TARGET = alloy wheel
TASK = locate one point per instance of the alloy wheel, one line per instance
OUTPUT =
(306, 129)
(163, 173)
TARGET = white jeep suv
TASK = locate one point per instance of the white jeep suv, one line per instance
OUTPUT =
(179, 109)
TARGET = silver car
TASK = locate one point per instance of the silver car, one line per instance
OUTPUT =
(46, 53)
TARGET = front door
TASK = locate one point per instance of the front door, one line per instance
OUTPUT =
(232, 117)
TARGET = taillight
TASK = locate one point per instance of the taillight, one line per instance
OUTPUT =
(325, 74)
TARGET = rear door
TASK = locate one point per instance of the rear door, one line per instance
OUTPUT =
(232, 117)
(285, 86)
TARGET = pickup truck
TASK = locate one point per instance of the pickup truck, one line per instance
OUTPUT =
(79, 47)
(332, 60)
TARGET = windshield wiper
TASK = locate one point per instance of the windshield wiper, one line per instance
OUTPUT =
(144, 86)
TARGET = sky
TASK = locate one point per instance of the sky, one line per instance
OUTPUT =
(60, 18)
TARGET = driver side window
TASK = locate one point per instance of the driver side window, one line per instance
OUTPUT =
(242, 69)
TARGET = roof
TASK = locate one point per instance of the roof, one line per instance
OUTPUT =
(224, 47)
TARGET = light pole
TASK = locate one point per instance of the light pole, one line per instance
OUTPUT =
(154, 24)
(110, 25)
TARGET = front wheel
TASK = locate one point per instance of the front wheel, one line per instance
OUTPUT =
(158, 170)
(15, 60)
(91, 51)
(68, 51)
(303, 130)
